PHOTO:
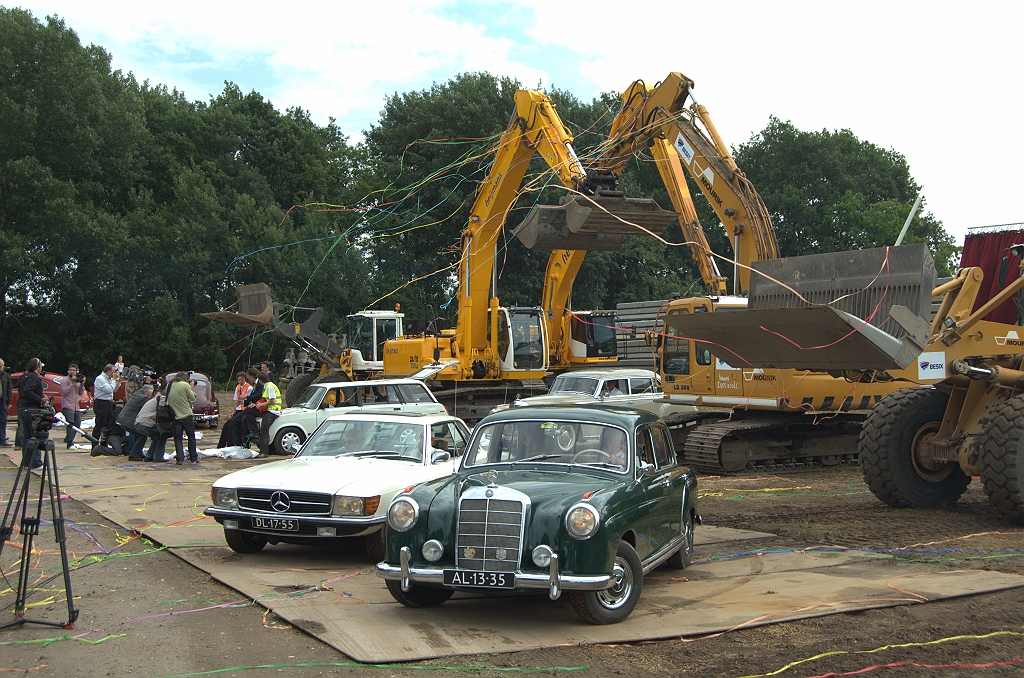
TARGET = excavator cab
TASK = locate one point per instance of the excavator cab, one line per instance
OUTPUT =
(521, 341)
(368, 331)
(592, 335)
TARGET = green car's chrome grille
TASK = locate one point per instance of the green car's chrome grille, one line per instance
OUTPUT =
(490, 534)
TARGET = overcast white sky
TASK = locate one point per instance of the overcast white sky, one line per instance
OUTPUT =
(938, 81)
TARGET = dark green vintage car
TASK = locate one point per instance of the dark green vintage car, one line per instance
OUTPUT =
(581, 499)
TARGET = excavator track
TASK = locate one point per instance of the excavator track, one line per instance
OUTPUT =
(710, 444)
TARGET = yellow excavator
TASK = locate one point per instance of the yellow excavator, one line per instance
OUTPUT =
(681, 138)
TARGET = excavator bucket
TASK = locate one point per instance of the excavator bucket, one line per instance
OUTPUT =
(255, 307)
(593, 223)
(838, 311)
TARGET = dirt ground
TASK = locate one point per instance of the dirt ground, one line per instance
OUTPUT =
(146, 613)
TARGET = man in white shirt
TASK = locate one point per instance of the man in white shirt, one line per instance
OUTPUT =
(103, 402)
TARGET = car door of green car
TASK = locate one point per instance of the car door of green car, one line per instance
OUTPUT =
(665, 489)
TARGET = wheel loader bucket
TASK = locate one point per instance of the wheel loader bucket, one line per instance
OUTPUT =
(255, 307)
(857, 310)
(592, 223)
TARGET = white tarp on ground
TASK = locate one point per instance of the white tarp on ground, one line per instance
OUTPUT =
(234, 452)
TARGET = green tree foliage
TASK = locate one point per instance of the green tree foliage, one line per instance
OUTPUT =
(830, 191)
(127, 210)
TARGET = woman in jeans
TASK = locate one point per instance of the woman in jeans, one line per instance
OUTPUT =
(180, 396)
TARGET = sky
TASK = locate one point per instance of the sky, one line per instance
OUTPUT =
(939, 82)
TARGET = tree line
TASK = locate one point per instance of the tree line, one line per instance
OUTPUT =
(127, 210)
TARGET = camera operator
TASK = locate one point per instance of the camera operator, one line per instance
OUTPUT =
(103, 404)
(147, 425)
(71, 389)
(126, 420)
(30, 397)
(5, 402)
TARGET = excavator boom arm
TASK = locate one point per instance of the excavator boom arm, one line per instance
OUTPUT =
(535, 129)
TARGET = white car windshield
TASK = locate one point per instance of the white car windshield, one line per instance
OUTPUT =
(310, 398)
(550, 442)
(354, 438)
(570, 384)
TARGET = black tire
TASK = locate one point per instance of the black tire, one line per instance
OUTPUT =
(285, 437)
(296, 386)
(1002, 460)
(213, 424)
(417, 595)
(681, 558)
(615, 604)
(244, 542)
(377, 545)
(895, 453)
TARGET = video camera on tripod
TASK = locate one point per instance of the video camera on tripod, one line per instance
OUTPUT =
(41, 421)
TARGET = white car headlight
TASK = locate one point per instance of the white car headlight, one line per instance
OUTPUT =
(225, 497)
(355, 506)
(402, 514)
(582, 521)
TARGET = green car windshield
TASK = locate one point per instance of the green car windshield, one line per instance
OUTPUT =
(355, 438)
(550, 442)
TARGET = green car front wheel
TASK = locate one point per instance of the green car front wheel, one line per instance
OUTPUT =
(616, 603)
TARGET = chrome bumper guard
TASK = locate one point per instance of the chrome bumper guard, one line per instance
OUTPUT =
(319, 521)
(554, 581)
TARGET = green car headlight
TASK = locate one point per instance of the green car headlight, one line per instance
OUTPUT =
(582, 521)
(225, 497)
(402, 514)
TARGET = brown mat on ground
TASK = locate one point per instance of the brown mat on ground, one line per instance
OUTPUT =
(333, 594)
(348, 607)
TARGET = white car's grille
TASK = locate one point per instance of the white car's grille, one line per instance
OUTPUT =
(490, 531)
(284, 501)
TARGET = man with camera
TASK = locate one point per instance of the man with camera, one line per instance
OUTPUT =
(71, 389)
(30, 398)
(5, 402)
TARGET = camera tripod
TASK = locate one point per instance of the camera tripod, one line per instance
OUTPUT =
(20, 503)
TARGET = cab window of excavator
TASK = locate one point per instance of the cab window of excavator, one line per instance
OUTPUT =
(527, 349)
(364, 338)
(502, 334)
(387, 329)
(702, 355)
(676, 353)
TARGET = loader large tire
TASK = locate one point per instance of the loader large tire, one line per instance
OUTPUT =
(296, 387)
(1002, 459)
(895, 451)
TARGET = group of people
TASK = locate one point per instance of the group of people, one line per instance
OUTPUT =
(257, 403)
(148, 414)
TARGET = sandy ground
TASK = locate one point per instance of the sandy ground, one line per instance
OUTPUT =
(146, 613)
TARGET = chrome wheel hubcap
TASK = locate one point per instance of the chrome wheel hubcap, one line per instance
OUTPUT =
(618, 594)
